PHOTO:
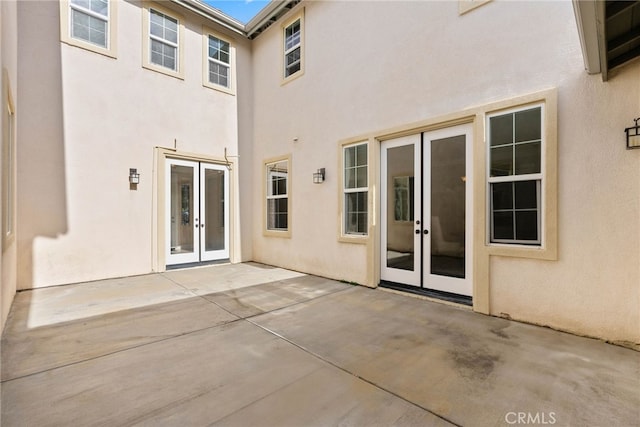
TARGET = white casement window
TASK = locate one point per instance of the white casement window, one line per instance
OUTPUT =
(516, 173)
(219, 57)
(163, 40)
(293, 48)
(89, 21)
(356, 189)
(277, 195)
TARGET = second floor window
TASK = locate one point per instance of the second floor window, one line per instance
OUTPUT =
(219, 62)
(163, 40)
(293, 48)
(89, 21)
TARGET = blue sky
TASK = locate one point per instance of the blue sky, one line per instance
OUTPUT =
(242, 10)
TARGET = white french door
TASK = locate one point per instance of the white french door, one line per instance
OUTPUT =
(197, 209)
(426, 210)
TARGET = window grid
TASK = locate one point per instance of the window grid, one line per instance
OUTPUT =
(355, 187)
(507, 223)
(277, 196)
(292, 48)
(163, 34)
(89, 21)
(219, 61)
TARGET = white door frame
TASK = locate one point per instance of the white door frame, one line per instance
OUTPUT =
(421, 275)
(198, 194)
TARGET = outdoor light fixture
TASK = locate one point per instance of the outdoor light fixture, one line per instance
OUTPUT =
(134, 176)
(633, 135)
(318, 177)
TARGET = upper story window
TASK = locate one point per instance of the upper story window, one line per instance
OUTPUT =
(292, 47)
(89, 24)
(90, 21)
(278, 188)
(163, 32)
(355, 189)
(516, 176)
(219, 62)
(162, 43)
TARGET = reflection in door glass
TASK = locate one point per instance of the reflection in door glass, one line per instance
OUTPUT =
(400, 190)
(214, 209)
(448, 182)
(181, 209)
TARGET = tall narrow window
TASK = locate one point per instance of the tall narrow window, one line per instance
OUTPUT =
(163, 40)
(278, 195)
(515, 176)
(355, 189)
(219, 56)
(89, 21)
(293, 48)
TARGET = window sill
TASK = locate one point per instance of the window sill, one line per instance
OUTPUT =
(292, 77)
(111, 53)
(162, 70)
(228, 91)
(273, 233)
(354, 239)
(532, 252)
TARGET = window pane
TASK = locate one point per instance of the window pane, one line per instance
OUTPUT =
(526, 194)
(501, 129)
(350, 178)
(503, 225)
(356, 213)
(350, 157)
(502, 196)
(527, 225)
(528, 125)
(361, 176)
(528, 158)
(502, 161)
(361, 154)
(293, 56)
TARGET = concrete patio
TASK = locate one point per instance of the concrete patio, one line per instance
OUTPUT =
(253, 345)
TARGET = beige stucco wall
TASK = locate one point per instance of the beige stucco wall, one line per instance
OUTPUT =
(380, 65)
(91, 118)
(9, 66)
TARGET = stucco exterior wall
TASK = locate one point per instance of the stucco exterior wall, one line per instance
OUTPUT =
(90, 120)
(380, 65)
(9, 66)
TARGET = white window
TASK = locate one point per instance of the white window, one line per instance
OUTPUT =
(278, 195)
(163, 40)
(355, 189)
(219, 61)
(515, 175)
(293, 39)
(89, 21)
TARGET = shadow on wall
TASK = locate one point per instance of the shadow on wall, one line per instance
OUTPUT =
(41, 195)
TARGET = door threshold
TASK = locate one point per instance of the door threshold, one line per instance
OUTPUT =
(197, 264)
(430, 293)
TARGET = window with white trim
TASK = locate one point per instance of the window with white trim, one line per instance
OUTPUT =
(219, 62)
(356, 189)
(89, 21)
(163, 40)
(515, 146)
(293, 48)
(278, 195)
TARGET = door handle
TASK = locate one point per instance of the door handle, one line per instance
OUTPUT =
(426, 231)
(417, 231)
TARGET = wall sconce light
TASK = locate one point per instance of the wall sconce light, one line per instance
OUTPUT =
(318, 177)
(633, 135)
(134, 176)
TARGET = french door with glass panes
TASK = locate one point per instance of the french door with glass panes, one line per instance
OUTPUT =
(197, 206)
(426, 210)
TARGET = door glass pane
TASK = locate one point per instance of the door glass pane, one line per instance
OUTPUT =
(400, 196)
(182, 215)
(448, 206)
(214, 204)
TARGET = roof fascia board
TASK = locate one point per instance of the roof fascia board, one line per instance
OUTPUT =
(586, 13)
(214, 15)
(272, 9)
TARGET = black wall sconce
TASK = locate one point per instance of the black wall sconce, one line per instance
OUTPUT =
(633, 135)
(318, 177)
(134, 176)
